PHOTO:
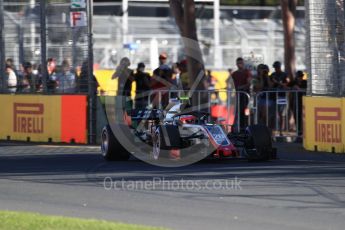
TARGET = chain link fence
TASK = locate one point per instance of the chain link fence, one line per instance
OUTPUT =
(46, 48)
(326, 47)
(43, 48)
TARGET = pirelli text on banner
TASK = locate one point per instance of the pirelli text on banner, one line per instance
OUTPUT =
(28, 118)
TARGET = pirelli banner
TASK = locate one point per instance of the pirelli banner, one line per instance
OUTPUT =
(324, 124)
(44, 118)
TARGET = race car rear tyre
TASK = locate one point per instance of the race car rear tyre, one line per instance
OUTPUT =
(259, 138)
(111, 148)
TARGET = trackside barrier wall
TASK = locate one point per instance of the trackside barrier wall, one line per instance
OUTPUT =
(324, 124)
(40, 118)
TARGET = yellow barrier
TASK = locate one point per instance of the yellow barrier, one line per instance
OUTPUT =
(107, 84)
(30, 116)
(324, 126)
(41, 118)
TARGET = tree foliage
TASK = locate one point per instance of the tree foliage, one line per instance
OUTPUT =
(289, 20)
(185, 17)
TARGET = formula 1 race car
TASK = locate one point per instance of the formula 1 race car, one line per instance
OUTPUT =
(178, 128)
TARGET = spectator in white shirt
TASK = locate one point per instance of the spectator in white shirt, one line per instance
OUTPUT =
(11, 79)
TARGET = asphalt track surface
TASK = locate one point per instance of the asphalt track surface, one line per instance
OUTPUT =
(300, 191)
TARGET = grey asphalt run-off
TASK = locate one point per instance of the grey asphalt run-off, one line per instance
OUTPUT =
(301, 190)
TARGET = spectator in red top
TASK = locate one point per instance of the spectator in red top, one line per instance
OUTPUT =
(241, 78)
(161, 82)
(162, 75)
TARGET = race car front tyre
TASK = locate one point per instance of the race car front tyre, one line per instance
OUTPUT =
(159, 146)
(111, 148)
(260, 140)
(164, 139)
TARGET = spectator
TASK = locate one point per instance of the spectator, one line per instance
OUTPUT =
(20, 78)
(241, 76)
(10, 63)
(11, 79)
(83, 80)
(231, 93)
(176, 80)
(176, 75)
(230, 71)
(125, 78)
(279, 77)
(256, 84)
(229, 82)
(28, 83)
(39, 76)
(142, 80)
(184, 78)
(281, 81)
(162, 82)
(35, 68)
(262, 86)
(301, 85)
(66, 79)
(163, 60)
(52, 76)
(163, 74)
(242, 80)
(210, 80)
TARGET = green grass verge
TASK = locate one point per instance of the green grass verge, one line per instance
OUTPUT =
(34, 221)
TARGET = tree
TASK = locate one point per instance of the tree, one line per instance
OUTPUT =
(185, 16)
(288, 16)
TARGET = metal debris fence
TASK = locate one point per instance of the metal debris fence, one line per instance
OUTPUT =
(55, 37)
